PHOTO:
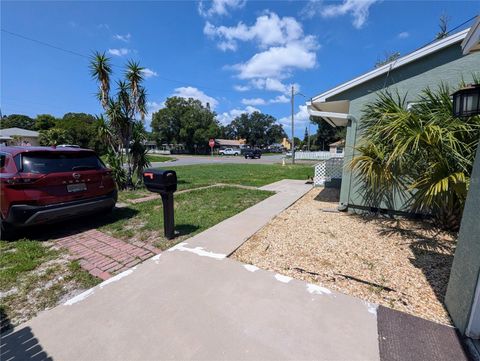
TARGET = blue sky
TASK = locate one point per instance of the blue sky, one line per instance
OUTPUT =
(237, 55)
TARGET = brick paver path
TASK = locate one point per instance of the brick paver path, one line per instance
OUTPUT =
(103, 255)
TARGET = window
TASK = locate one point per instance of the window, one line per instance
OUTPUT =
(53, 162)
(339, 150)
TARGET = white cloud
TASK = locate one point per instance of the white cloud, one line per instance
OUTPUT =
(118, 52)
(283, 48)
(301, 118)
(279, 62)
(241, 88)
(152, 107)
(269, 30)
(280, 99)
(254, 101)
(311, 9)
(359, 9)
(272, 84)
(148, 73)
(125, 38)
(403, 35)
(191, 92)
(226, 117)
(219, 7)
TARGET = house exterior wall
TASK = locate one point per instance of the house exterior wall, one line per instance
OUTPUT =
(18, 140)
(466, 263)
(447, 65)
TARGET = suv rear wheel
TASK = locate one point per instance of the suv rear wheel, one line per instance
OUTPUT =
(6, 231)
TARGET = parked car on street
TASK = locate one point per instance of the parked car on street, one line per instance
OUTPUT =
(46, 184)
(252, 153)
(229, 151)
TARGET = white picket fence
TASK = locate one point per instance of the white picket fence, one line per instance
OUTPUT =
(317, 155)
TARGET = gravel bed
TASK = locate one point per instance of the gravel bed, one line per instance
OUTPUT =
(402, 264)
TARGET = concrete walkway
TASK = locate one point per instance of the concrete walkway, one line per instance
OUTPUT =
(192, 302)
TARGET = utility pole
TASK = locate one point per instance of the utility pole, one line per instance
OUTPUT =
(308, 139)
(293, 125)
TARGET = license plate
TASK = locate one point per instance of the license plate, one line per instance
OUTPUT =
(78, 187)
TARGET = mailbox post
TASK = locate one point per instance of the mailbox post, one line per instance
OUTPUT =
(163, 182)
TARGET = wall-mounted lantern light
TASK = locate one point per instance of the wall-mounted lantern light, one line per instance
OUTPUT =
(466, 101)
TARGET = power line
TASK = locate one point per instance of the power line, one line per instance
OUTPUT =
(71, 52)
(44, 43)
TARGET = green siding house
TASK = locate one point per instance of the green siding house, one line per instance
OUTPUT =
(440, 61)
(449, 60)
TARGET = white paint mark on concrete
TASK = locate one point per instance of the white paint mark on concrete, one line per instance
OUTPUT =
(198, 251)
(156, 258)
(282, 278)
(372, 308)
(79, 297)
(319, 290)
(117, 277)
(250, 267)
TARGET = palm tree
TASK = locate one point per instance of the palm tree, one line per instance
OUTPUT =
(423, 154)
(101, 69)
(122, 112)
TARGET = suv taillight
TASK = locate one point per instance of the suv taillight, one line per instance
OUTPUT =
(23, 179)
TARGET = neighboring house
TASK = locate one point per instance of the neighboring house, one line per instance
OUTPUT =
(19, 136)
(338, 147)
(440, 61)
(151, 146)
(230, 143)
(463, 292)
(286, 144)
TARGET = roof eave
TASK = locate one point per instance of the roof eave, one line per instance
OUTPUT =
(426, 50)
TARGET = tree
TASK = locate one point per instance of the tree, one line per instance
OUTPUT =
(18, 121)
(443, 25)
(257, 128)
(54, 136)
(227, 132)
(387, 58)
(185, 121)
(82, 130)
(125, 111)
(424, 154)
(44, 122)
(326, 134)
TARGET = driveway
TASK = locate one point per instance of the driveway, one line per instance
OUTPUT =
(192, 302)
(192, 159)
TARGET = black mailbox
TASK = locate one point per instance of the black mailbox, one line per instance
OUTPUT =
(160, 180)
(163, 182)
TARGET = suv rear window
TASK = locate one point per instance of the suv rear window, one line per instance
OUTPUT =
(52, 162)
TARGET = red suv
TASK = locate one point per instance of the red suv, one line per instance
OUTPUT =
(44, 185)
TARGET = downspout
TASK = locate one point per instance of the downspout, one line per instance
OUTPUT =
(344, 207)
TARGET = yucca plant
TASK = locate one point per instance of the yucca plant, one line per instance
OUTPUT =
(423, 153)
(124, 111)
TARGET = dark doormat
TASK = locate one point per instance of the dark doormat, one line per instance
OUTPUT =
(403, 337)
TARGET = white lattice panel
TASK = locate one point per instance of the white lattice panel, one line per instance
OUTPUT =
(326, 170)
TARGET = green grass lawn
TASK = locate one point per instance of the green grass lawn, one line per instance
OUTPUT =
(34, 275)
(159, 158)
(194, 176)
(151, 157)
(194, 212)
